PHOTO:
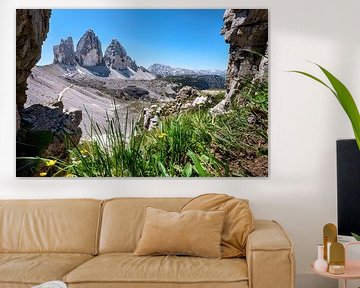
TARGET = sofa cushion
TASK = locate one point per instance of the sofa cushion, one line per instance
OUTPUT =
(63, 226)
(237, 284)
(123, 220)
(36, 268)
(126, 268)
(15, 285)
(193, 232)
(239, 220)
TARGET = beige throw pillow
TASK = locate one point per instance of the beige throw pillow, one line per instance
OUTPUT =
(238, 223)
(196, 233)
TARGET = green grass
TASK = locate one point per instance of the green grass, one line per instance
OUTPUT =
(190, 144)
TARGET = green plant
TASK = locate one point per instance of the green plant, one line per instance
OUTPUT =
(344, 97)
(356, 236)
(188, 144)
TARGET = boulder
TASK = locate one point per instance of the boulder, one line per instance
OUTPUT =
(154, 121)
(225, 103)
(200, 100)
(187, 99)
(53, 119)
(187, 92)
(134, 92)
(147, 114)
(88, 50)
(151, 117)
(169, 91)
(47, 131)
(64, 52)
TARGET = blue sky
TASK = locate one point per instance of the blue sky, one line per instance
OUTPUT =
(179, 38)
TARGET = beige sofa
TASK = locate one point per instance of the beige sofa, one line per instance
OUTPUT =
(89, 243)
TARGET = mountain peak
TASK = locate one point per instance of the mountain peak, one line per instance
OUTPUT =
(64, 52)
(115, 57)
(88, 50)
(89, 54)
(89, 31)
(115, 48)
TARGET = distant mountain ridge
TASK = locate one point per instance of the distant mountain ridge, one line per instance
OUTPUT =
(165, 71)
(88, 58)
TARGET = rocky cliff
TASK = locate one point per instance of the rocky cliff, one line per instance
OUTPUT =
(64, 52)
(246, 30)
(88, 50)
(115, 57)
(32, 27)
(89, 55)
(42, 130)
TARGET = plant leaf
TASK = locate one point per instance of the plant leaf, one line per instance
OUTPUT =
(187, 170)
(356, 236)
(347, 102)
(316, 79)
(199, 168)
(344, 97)
(163, 170)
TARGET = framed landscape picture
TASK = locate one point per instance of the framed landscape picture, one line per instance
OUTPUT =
(142, 93)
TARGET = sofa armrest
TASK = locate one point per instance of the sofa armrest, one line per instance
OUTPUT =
(269, 256)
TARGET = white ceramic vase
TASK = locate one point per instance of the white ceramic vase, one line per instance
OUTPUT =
(320, 264)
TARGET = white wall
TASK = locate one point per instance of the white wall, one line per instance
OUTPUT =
(305, 121)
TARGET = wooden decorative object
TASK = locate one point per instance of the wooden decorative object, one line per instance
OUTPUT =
(330, 236)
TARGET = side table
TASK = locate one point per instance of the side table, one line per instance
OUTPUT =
(352, 269)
